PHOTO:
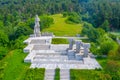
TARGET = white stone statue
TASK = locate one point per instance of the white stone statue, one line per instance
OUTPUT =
(37, 27)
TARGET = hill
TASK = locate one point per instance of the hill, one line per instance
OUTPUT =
(61, 28)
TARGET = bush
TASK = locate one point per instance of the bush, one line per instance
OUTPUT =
(73, 18)
(95, 49)
(107, 46)
(91, 32)
(112, 36)
(45, 22)
(18, 43)
(65, 14)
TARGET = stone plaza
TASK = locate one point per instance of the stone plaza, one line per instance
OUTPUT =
(43, 54)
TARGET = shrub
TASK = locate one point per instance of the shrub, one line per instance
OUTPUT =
(107, 46)
(73, 18)
(45, 22)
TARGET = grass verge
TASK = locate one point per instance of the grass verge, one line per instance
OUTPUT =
(57, 74)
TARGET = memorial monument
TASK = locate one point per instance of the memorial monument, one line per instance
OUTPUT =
(43, 54)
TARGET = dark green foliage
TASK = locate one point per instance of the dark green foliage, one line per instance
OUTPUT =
(73, 17)
(91, 32)
(45, 22)
(97, 10)
(18, 43)
(57, 74)
(59, 41)
(35, 74)
(113, 36)
(65, 14)
(22, 30)
(105, 26)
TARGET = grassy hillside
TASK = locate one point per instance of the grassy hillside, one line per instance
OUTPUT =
(61, 28)
(15, 67)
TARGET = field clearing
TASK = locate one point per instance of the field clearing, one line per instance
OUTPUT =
(61, 28)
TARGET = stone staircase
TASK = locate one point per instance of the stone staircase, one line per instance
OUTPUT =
(49, 74)
(64, 74)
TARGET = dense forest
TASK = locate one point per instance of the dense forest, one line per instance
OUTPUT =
(99, 19)
(93, 11)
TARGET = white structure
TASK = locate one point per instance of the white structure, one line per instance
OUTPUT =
(43, 54)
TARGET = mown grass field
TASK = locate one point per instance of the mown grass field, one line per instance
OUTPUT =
(61, 28)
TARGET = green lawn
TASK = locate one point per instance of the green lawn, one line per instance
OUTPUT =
(61, 28)
(15, 68)
(60, 41)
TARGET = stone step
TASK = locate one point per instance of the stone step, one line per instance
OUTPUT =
(49, 54)
(64, 74)
(64, 79)
(50, 57)
(49, 74)
(56, 61)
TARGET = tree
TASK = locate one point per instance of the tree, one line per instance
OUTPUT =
(91, 32)
(45, 22)
(22, 29)
(107, 46)
(73, 17)
(105, 26)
